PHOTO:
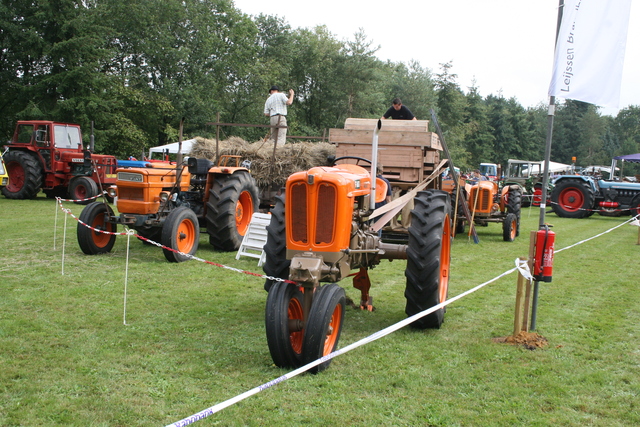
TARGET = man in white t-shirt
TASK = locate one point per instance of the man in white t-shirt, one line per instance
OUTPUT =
(276, 109)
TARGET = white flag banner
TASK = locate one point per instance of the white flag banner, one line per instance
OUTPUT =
(590, 51)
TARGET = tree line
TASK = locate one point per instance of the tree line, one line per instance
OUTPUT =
(136, 67)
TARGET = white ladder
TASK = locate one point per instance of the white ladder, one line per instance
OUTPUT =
(255, 238)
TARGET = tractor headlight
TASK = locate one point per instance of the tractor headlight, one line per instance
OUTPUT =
(164, 197)
(112, 192)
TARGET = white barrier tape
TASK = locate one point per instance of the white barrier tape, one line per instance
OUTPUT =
(523, 267)
(384, 332)
(597, 235)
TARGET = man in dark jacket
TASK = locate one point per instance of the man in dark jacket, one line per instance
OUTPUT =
(397, 111)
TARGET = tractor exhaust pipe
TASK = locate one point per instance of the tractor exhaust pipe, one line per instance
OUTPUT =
(91, 139)
(374, 165)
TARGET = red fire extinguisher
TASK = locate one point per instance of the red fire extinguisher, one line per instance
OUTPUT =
(543, 260)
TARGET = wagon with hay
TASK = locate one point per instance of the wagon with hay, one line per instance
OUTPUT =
(270, 168)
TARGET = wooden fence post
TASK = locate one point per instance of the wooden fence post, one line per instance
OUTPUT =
(523, 292)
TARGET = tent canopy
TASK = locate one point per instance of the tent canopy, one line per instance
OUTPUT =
(173, 147)
(555, 167)
(629, 158)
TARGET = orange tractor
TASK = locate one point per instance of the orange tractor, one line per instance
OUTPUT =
(320, 231)
(488, 203)
(169, 205)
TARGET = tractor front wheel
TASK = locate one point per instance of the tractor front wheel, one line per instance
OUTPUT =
(276, 263)
(514, 206)
(82, 188)
(232, 201)
(25, 175)
(180, 232)
(284, 324)
(428, 257)
(324, 325)
(91, 240)
(510, 228)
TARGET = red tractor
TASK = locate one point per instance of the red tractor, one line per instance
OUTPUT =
(50, 156)
(320, 231)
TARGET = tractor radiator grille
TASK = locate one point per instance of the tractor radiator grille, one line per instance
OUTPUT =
(482, 201)
(325, 216)
(125, 193)
(299, 213)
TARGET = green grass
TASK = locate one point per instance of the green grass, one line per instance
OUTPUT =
(195, 337)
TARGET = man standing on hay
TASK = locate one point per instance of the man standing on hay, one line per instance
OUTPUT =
(276, 109)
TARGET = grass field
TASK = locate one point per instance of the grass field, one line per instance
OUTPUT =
(195, 337)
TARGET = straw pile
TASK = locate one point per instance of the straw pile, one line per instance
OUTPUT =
(291, 158)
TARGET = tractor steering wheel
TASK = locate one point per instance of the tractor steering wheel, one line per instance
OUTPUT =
(350, 157)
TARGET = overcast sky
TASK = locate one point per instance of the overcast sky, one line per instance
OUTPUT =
(506, 46)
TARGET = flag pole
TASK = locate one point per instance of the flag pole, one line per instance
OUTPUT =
(545, 177)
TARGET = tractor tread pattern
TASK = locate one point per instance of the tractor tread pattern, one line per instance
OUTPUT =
(423, 256)
(221, 209)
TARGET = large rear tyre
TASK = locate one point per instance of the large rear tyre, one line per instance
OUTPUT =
(232, 201)
(510, 228)
(25, 175)
(284, 324)
(92, 242)
(180, 232)
(572, 198)
(82, 188)
(324, 325)
(276, 263)
(428, 257)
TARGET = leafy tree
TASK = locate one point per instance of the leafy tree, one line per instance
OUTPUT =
(361, 76)
(451, 107)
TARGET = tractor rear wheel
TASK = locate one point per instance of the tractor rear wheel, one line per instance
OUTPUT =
(232, 201)
(276, 263)
(284, 324)
(324, 325)
(180, 232)
(82, 188)
(92, 242)
(428, 257)
(510, 228)
(572, 198)
(25, 175)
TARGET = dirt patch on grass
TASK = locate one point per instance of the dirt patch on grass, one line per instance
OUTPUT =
(528, 340)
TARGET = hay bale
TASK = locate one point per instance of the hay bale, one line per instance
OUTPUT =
(289, 159)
